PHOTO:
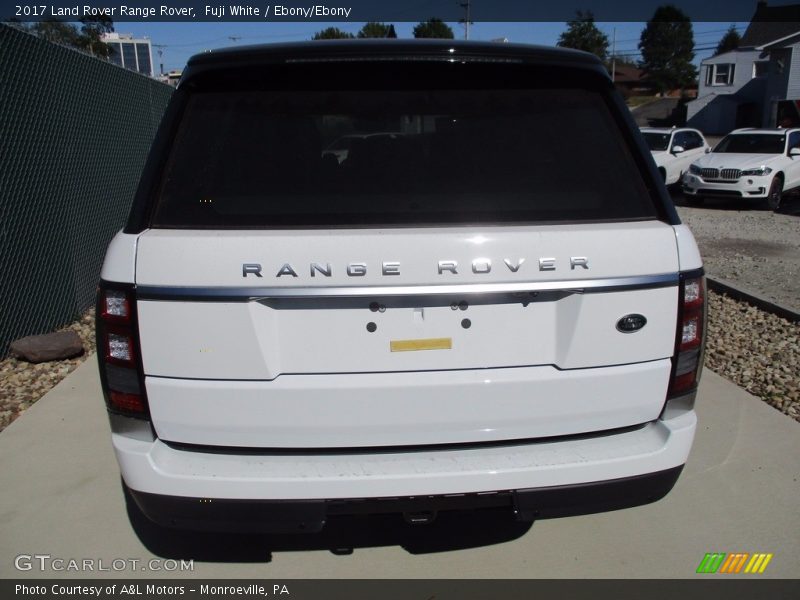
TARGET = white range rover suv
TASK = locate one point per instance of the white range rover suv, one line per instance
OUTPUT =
(459, 316)
(757, 164)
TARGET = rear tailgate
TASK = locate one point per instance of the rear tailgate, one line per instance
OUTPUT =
(457, 277)
(519, 342)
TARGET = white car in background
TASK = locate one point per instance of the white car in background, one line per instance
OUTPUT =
(760, 164)
(674, 149)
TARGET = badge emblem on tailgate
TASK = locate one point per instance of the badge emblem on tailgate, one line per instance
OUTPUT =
(421, 344)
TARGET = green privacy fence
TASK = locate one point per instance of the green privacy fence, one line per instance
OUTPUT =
(74, 135)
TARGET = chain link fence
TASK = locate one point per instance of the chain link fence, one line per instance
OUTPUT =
(74, 135)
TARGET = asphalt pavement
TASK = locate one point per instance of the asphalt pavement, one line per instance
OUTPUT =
(657, 113)
(60, 496)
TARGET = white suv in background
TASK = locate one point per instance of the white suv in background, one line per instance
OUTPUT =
(449, 318)
(757, 164)
(674, 150)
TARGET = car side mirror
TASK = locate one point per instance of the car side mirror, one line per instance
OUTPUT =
(678, 149)
(794, 152)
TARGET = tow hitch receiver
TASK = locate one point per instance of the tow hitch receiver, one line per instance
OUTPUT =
(420, 518)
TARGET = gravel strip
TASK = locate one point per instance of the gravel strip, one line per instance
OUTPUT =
(758, 249)
(23, 383)
(756, 350)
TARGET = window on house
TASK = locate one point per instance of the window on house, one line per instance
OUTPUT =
(129, 56)
(760, 68)
(143, 56)
(116, 53)
(722, 74)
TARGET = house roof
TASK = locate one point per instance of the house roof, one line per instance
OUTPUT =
(791, 39)
(627, 74)
(770, 23)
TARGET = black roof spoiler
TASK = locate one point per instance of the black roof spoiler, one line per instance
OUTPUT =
(373, 50)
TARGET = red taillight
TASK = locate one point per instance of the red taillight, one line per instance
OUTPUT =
(118, 350)
(127, 402)
(689, 345)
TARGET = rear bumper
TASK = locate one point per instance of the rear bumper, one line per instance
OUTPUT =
(309, 516)
(567, 476)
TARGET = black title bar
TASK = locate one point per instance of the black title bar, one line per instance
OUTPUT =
(358, 11)
(708, 588)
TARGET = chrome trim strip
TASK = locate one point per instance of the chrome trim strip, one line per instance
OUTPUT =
(578, 286)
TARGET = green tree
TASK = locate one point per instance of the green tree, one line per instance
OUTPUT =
(332, 33)
(17, 24)
(88, 38)
(667, 46)
(730, 41)
(433, 28)
(583, 34)
(92, 31)
(623, 59)
(57, 32)
(376, 30)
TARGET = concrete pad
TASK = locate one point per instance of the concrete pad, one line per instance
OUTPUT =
(60, 496)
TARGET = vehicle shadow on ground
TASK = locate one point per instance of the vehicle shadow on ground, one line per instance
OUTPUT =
(452, 530)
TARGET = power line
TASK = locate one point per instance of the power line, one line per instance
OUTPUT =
(709, 32)
(636, 51)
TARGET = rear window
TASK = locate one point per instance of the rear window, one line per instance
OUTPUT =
(261, 158)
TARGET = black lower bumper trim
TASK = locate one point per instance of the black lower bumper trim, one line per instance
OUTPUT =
(715, 193)
(298, 516)
(601, 496)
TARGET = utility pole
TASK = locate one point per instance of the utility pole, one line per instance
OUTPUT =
(613, 54)
(465, 21)
(160, 50)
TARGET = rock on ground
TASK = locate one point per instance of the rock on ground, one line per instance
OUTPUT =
(47, 347)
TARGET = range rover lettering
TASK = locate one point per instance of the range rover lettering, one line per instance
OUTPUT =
(494, 305)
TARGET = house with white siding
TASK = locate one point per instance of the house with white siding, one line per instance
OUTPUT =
(756, 85)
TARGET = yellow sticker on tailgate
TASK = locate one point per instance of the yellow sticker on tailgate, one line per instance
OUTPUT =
(423, 344)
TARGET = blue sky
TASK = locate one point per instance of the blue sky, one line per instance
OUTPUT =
(182, 40)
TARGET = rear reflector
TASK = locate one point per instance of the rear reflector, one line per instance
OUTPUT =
(121, 373)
